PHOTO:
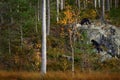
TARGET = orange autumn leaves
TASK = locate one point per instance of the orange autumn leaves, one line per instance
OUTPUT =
(69, 16)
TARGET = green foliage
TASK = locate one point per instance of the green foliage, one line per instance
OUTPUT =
(115, 17)
(58, 42)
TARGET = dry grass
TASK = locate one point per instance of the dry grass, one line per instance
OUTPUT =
(4, 75)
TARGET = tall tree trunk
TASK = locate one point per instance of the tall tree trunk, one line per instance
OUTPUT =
(38, 5)
(99, 3)
(21, 36)
(44, 59)
(71, 33)
(36, 20)
(62, 5)
(9, 41)
(108, 5)
(57, 10)
(79, 4)
(95, 3)
(11, 23)
(84, 4)
(103, 11)
(48, 17)
(115, 3)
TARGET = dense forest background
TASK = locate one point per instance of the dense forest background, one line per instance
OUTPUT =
(21, 34)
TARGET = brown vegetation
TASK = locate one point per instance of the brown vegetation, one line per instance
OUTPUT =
(58, 76)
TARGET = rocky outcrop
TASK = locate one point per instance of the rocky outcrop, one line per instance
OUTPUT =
(105, 34)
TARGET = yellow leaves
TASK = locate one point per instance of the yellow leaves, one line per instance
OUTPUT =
(68, 16)
(91, 13)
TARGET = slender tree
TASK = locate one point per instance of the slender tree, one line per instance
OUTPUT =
(103, 10)
(62, 5)
(99, 4)
(95, 3)
(48, 17)
(57, 10)
(38, 6)
(84, 4)
(116, 3)
(44, 59)
(79, 4)
(36, 20)
(108, 5)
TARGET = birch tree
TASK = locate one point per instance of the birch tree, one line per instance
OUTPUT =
(57, 10)
(99, 3)
(44, 59)
(95, 3)
(62, 5)
(48, 17)
(103, 10)
(38, 6)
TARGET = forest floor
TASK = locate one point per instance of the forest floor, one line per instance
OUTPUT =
(58, 75)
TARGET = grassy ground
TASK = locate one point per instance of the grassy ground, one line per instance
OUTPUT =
(4, 75)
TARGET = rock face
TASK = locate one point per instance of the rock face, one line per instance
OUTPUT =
(105, 34)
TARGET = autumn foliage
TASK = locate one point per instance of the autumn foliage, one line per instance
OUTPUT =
(68, 16)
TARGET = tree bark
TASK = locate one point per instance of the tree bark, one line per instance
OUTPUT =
(103, 11)
(44, 59)
(95, 3)
(38, 10)
(36, 20)
(21, 36)
(62, 5)
(84, 4)
(99, 3)
(72, 49)
(48, 17)
(78, 3)
(57, 10)
(9, 41)
(108, 5)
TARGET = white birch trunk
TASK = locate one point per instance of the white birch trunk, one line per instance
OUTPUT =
(95, 3)
(57, 10)
(48, 20)
(62, 5)
(44, 56)
(99, 3)
(103, 10)
(38, 10)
